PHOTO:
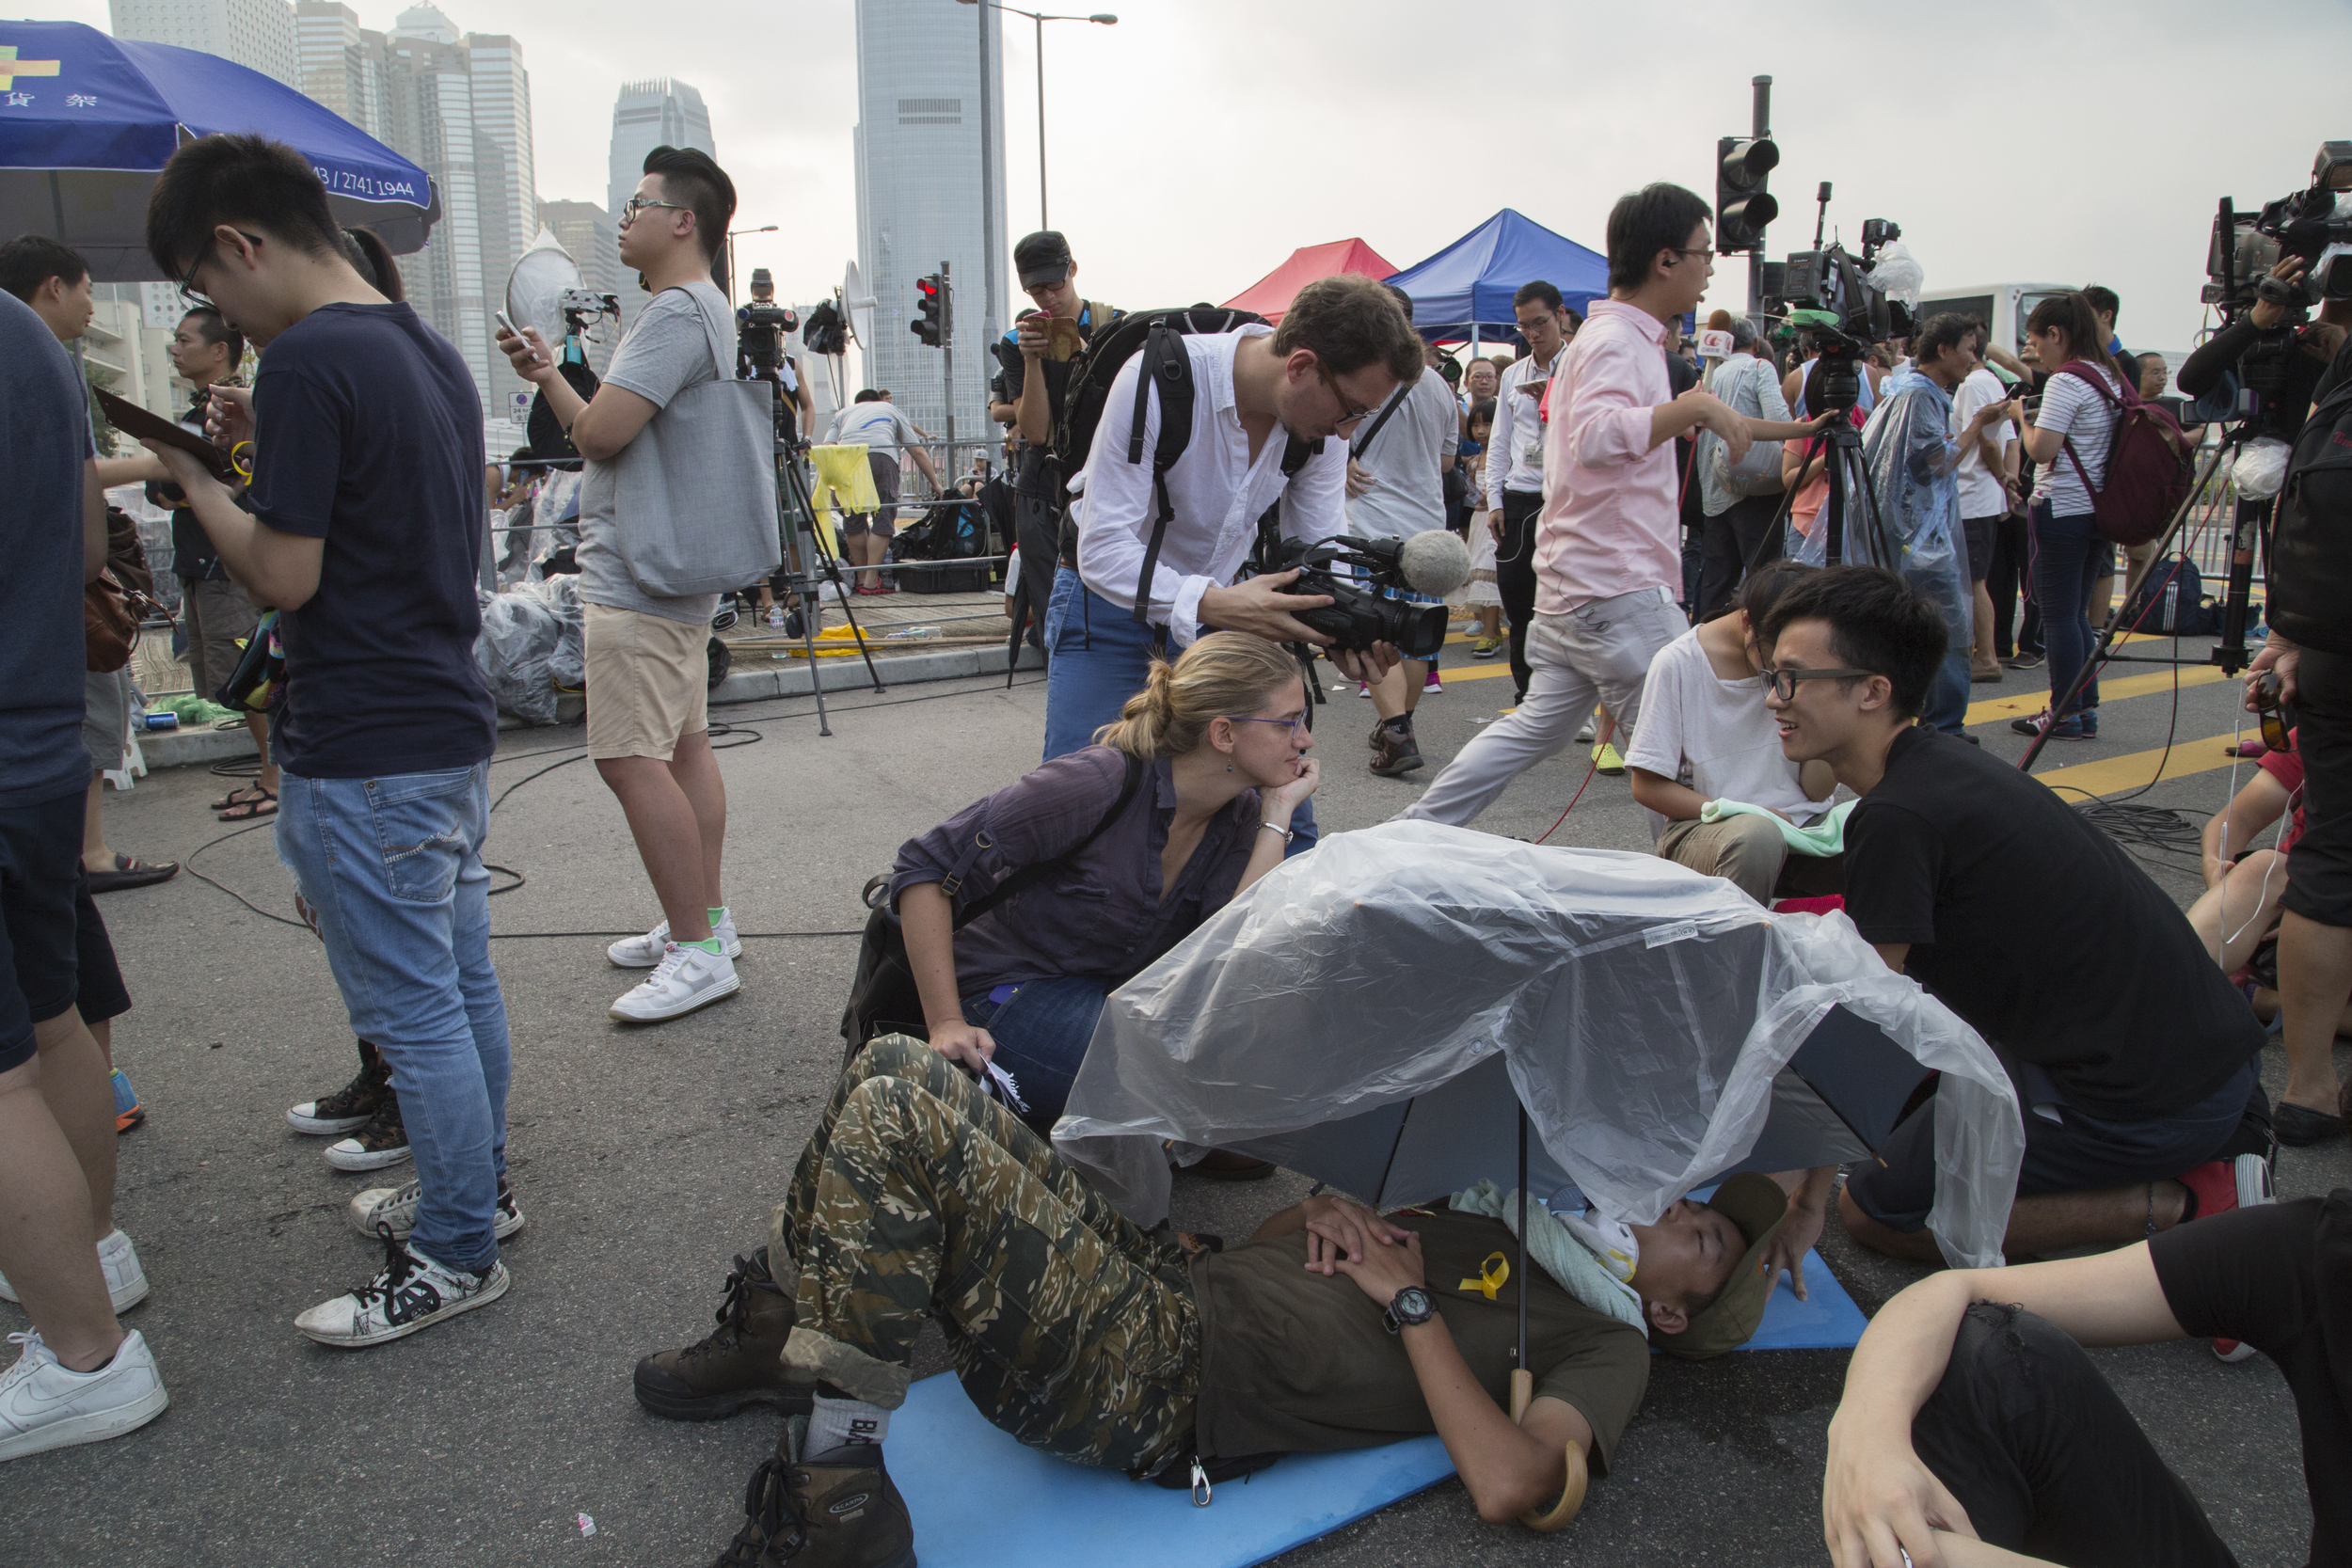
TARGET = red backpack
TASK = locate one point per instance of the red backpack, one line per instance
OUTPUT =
(2150, 464)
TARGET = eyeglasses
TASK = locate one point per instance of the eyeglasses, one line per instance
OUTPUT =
(1347, 415)
(1294, 726)
(637, 204)
(1783, 682)
(188, 290)
(1706, 257)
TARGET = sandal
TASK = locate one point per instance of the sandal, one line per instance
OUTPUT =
(252, 807)
(239, 795)
(132, 872)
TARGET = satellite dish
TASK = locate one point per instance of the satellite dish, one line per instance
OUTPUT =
(860, 305)
(535, 289)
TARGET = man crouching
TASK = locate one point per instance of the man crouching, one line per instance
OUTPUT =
(1086, 1336)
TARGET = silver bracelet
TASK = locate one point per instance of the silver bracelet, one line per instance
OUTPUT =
(1286, 833)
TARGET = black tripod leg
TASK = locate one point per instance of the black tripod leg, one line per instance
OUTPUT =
(833, 573)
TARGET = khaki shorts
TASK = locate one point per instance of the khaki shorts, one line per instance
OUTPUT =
(217, 613)
(648, 681)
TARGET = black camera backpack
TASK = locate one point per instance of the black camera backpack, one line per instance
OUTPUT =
(1158, 336)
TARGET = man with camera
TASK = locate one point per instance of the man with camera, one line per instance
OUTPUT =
(1607, 547)
(759, 330)
(1262, 396)
(647, 662)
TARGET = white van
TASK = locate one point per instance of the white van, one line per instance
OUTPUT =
(2002, 306)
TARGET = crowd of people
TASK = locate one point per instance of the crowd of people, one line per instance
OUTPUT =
(1646, 538)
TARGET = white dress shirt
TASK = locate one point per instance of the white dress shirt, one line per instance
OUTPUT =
(1216, 492)
(1514, 453)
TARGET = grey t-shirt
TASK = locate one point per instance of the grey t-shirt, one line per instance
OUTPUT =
(878, 426)
(44, 429)
(1408, 494)
(665, 351)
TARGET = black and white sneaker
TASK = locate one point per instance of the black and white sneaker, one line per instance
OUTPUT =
(348, 1108)
(396, 1207)
(382, 1142)
(411, 1291)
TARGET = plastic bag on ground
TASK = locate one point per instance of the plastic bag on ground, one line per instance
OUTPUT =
(1643, 1013)
(515, 649)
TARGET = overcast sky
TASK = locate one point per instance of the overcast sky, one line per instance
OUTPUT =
(1194, 144)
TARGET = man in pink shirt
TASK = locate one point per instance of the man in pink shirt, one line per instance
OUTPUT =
(1607, 552)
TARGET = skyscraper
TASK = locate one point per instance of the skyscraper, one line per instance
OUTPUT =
(919, 177)
(258, 34)
(459, 106)
(663, 112)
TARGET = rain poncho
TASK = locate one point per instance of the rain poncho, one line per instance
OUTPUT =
(1641, 1012)
(1909, 458)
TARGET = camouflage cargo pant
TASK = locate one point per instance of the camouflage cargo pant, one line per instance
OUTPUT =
(919, 1197)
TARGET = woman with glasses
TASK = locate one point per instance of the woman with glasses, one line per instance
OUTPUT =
(1180, 804)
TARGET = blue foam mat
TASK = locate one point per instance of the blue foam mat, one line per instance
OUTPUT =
(981, 1501)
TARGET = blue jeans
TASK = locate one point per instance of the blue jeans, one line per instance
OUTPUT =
(392, 865)
(1097, 656)
(1946, 707)
(1040, 1032)
(2067, 555)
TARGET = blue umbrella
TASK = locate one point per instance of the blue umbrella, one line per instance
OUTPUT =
(87, 122)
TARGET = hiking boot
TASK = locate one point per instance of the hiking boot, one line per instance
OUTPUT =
(738, 1363)
(412, 1291)
(835, 1509)
(396, 1207)
(352, 1106)
(1395, 753)
(382, 1142)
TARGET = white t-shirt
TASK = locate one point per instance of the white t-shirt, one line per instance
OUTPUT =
(2086, 420)
(1979, 486)
(876, 426)
(1715, 736)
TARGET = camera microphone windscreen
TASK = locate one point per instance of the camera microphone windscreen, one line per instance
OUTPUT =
(1435, 563)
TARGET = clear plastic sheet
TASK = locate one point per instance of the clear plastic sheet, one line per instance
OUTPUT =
(1643, 1013)
(520, 632)
(1918, 508)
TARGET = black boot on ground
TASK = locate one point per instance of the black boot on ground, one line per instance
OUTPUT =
(835, 1509)
(1394, 751)
(738, 1363)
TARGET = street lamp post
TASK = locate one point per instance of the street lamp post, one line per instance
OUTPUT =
(1102, 19)
(763, 229)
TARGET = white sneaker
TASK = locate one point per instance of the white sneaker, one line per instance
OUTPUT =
(126, 1282)
(685, 979)
(646, 951)
(1584, 736)
(45, 1404)
(2252, 1175)
(411, 1291)
(396, 1207)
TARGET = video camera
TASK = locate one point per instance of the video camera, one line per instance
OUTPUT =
(2315, 224)
(581, 305)
(759, 338)
(1830, 295)
(1434, 563)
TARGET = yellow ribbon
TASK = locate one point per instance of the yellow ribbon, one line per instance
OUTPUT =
(1492, 1275)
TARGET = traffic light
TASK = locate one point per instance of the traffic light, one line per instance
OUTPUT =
(1743, 207)
(932, 299)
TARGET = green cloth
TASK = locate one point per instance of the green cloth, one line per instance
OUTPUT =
(1824, 838)
(192, 709)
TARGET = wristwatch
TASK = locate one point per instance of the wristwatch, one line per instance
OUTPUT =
(1412, 1308)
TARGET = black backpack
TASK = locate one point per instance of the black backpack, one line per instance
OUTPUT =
(1159, 337)
(2310, 553)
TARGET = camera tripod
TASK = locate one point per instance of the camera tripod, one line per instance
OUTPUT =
(2251, 524)
(796, 516)
(1842, 457)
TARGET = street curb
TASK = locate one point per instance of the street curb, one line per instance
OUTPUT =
(164, 749)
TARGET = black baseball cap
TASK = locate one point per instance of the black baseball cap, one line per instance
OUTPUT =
(1042, 258)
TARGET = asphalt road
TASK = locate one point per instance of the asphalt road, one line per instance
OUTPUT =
(644, 1158)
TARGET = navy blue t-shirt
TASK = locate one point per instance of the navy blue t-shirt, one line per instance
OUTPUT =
(45, 432)
(368, 434)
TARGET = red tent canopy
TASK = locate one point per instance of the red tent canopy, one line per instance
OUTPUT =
(1270, 296)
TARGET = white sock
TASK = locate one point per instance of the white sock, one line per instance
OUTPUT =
(835, 1423)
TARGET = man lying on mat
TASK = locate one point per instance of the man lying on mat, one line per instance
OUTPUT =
(1082, 1335)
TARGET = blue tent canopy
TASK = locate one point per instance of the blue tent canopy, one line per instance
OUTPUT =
(87, 122)
(1470, 283)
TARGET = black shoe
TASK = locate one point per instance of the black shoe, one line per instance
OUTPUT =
(351, 1107)
(835, 1509)
(2301, 1127)
(2025, 661)
(738, 1363)
(1394, 752)
(382, 1142)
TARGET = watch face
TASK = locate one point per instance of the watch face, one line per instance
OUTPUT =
(1413, 1302)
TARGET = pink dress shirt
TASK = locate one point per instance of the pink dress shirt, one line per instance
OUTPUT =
(1609, 522)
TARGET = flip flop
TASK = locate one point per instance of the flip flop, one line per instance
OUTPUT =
(239, 795)
(252, 807)
(132, 872)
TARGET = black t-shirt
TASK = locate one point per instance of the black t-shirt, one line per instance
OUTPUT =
(1013, 374)
(192, 554)
(2279, 1278)
(368, 434)
(2041, 932)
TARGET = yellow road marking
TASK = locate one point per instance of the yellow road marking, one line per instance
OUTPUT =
(2110, 690)
(2113, 775)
